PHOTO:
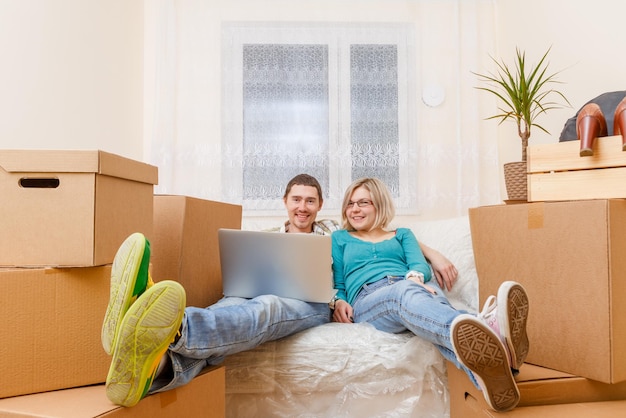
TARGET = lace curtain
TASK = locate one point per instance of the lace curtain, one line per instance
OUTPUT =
(220, 125)
(319, 98)
(285, 117)
(374, 114)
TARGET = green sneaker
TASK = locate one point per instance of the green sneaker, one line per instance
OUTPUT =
(144, 335)
(129, 279)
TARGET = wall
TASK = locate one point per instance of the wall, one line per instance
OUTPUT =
(72, 69)
(72, 75)
(183, 104)
(587, 40)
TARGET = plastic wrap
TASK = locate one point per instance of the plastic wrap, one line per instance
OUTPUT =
(354, 370)
(340, 370)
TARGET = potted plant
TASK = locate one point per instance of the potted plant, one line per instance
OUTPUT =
(524, 93)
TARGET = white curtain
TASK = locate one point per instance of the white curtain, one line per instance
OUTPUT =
(448, 161)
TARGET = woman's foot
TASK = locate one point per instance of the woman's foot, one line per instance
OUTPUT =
(481, 350)
(507, 315)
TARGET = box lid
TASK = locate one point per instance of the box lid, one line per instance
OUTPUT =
(203, 396)
(538, 386)
(532, 373)
(77, 161)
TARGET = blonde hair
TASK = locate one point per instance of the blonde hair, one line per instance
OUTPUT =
(381, 199)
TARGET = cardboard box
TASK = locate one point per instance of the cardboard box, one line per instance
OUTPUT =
(71, 208)
(541, 386)
(569, 256)
(202, 397)
(557, 172)
(610, 409)
(184, 244)
(543, 393)
(51, 322)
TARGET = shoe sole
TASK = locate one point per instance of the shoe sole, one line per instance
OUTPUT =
(129, 279)
(513, 327)
(479, 349)
(145, 334)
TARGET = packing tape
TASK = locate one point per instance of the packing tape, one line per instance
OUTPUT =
(535, 215)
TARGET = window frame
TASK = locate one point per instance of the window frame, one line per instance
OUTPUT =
(338, 36)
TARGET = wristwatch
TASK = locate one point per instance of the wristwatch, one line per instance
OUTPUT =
(332, 302)
(416, 274)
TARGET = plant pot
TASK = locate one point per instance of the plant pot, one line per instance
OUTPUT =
(516, 180)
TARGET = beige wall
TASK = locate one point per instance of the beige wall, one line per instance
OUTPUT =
(72, 75)
(587, 40)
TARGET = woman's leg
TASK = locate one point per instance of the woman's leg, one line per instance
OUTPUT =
(407, 305)
(466, 340)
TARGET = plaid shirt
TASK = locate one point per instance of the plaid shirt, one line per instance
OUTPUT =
(321, 227)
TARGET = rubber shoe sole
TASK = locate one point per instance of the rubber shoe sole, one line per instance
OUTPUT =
(479, 349)
(129, 279)
(145, 334)
(513, 315)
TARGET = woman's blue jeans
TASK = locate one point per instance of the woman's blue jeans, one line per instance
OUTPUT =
(398, 305)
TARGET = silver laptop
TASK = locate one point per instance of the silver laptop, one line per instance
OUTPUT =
(255, 263)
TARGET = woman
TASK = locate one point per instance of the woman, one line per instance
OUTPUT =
(382, 277)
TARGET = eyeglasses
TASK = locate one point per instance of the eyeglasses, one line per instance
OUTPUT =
(360, 203)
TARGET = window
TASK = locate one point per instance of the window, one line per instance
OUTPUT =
(331, 100)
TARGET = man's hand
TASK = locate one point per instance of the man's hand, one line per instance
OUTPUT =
(445, 272)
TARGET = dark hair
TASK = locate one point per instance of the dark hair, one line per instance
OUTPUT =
(304, 180)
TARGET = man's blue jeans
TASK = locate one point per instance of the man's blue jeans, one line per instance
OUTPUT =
(233, 325)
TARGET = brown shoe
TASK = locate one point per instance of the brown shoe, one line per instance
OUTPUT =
(478, 348)
(619, 122)
(590, 124)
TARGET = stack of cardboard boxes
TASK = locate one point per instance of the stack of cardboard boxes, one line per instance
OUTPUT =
(569, 256)
(63, 215)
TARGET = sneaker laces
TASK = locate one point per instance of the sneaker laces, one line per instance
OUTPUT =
(488, 314)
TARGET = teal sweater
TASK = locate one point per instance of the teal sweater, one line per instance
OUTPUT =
(357, 262)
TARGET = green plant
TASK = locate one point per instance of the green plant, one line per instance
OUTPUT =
(525, 93)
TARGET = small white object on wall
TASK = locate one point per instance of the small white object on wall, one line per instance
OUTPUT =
(433, 95)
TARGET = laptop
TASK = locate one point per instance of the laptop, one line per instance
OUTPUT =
(255, 263)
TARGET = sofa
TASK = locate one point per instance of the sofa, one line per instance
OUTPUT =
(354, 370)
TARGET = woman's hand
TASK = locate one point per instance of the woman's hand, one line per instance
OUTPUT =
(445, 272)
(343, 312)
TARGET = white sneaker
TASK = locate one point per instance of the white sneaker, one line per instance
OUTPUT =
(507, 316)
(482, 351)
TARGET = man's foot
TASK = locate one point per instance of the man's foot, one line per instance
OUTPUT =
(507, 316)
(481, 350)
(144, 335)
(129, 279)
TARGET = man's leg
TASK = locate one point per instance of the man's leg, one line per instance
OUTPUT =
(232, 326)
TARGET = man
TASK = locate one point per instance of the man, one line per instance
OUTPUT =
(158, 344)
